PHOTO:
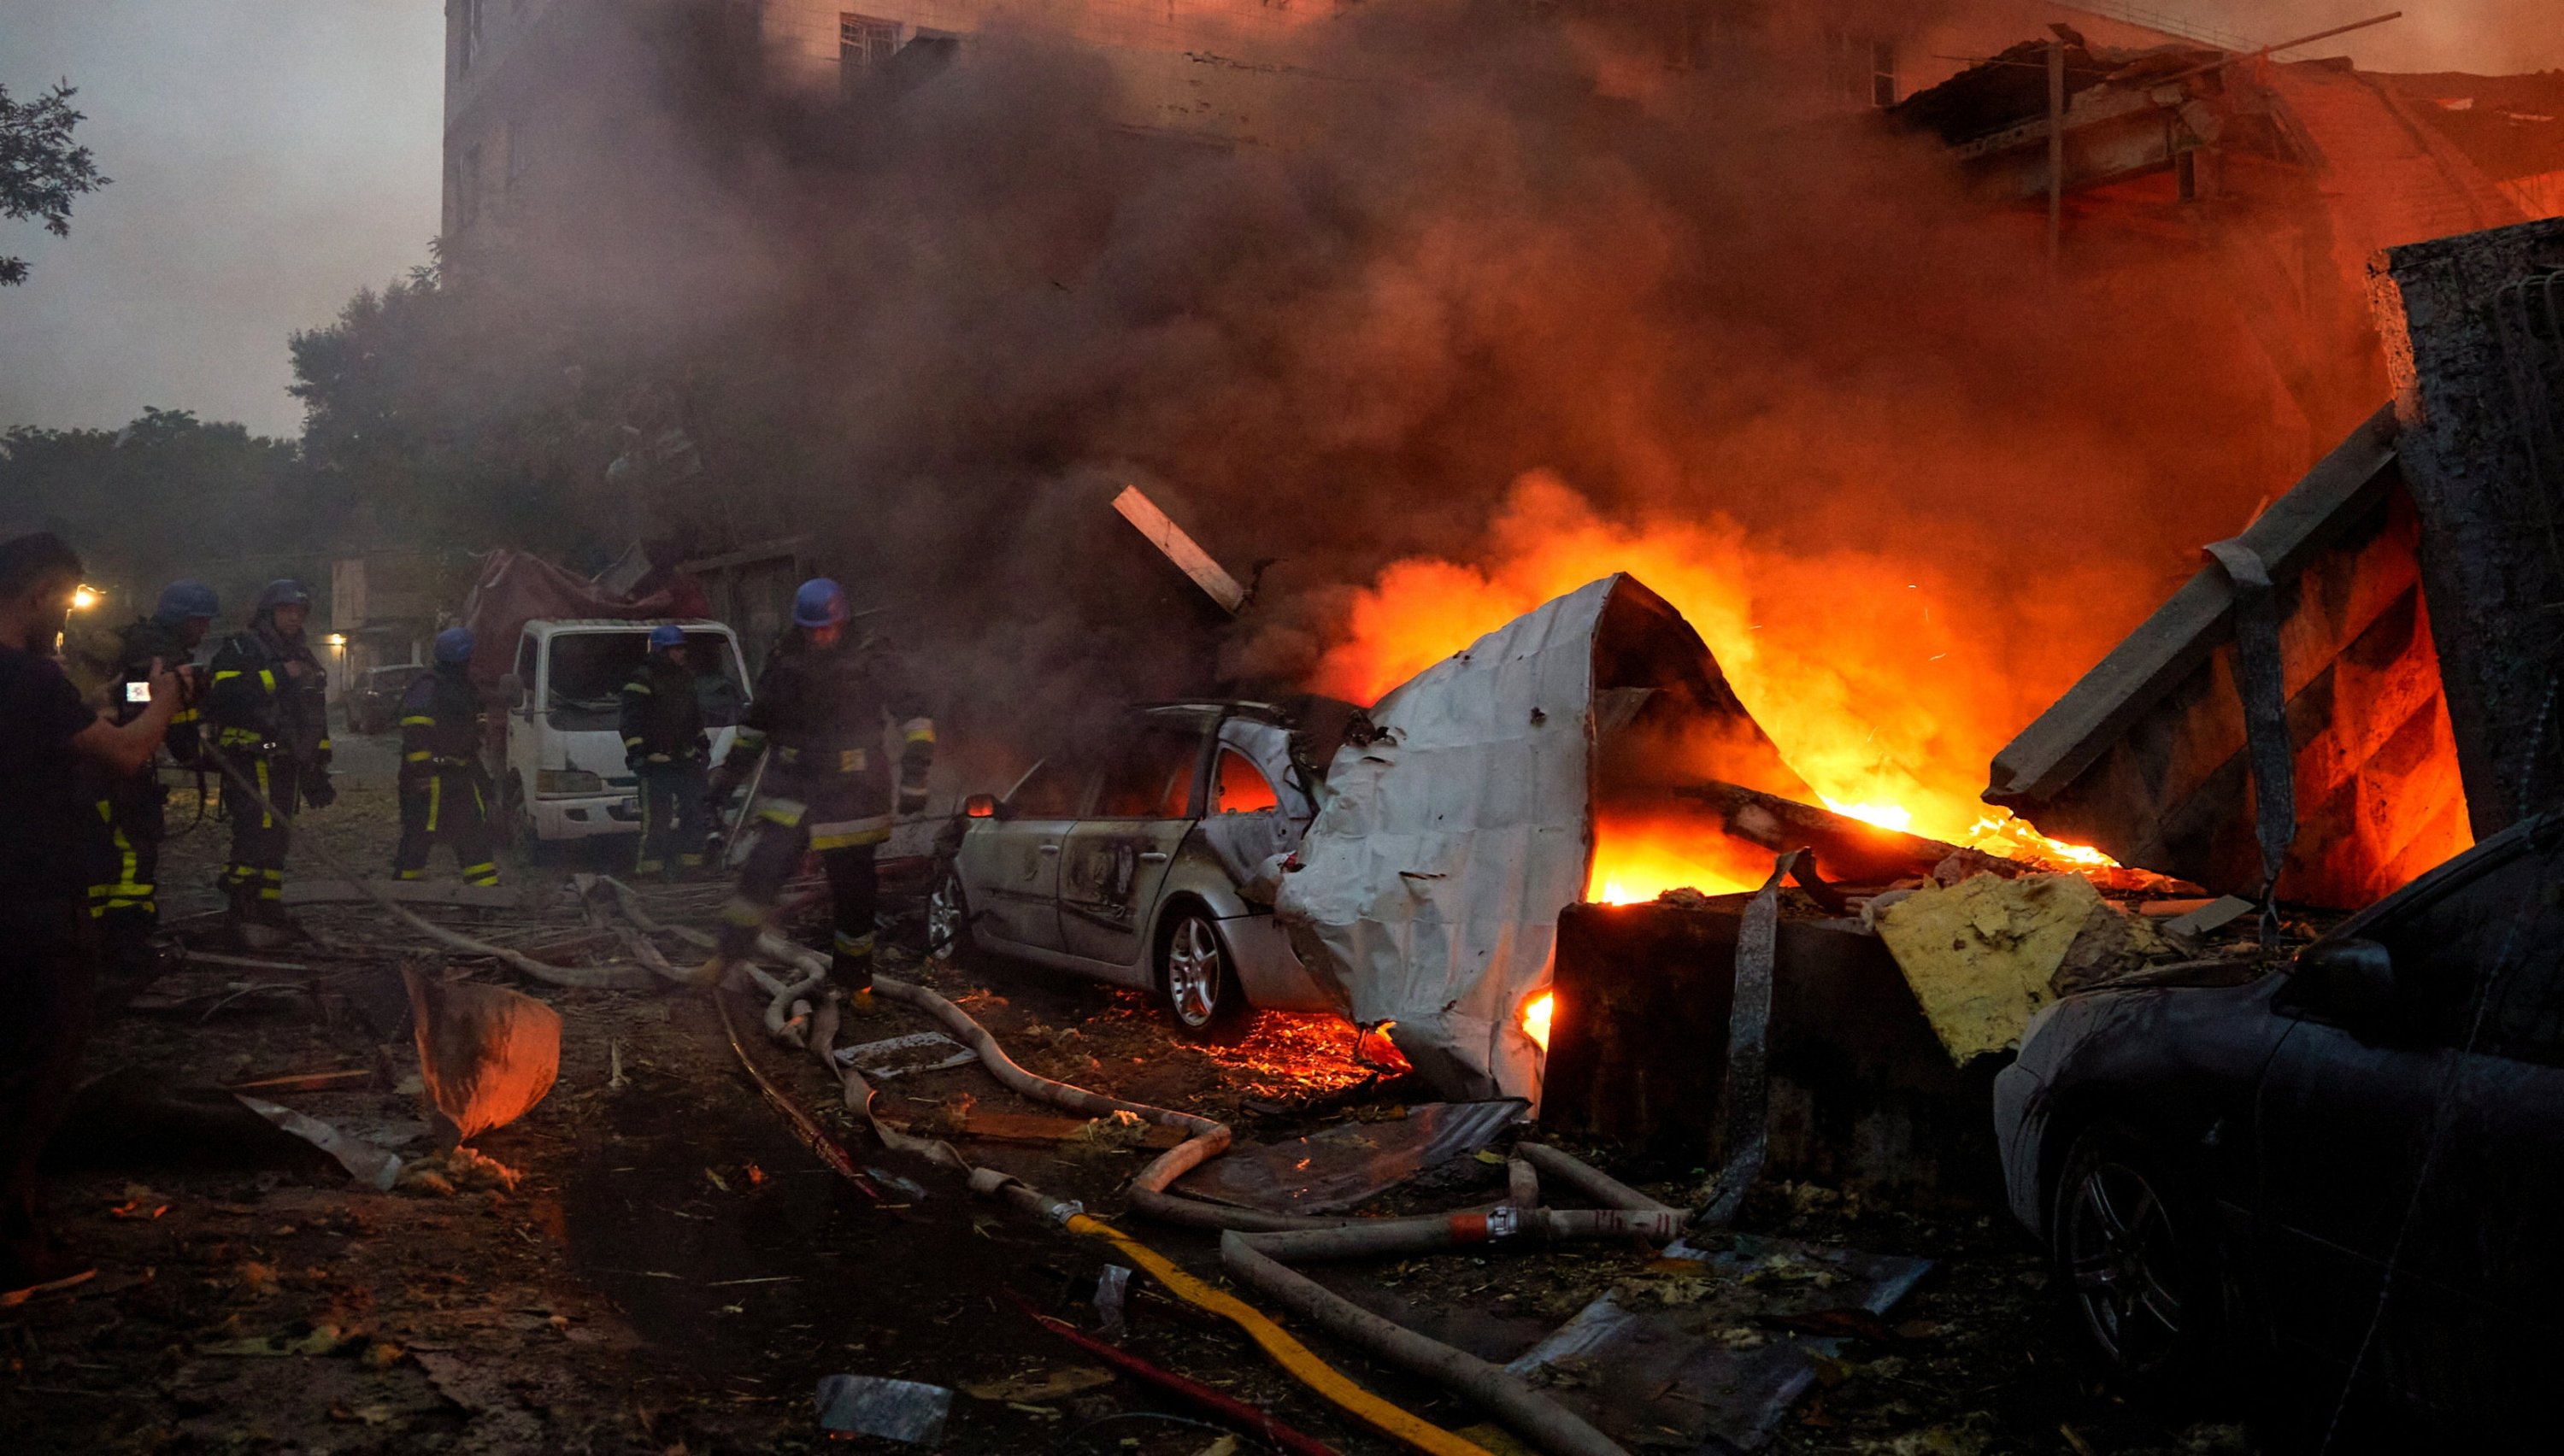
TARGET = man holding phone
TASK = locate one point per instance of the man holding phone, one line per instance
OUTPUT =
(49, 834)
(125, 892)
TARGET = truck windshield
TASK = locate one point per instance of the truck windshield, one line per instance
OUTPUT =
(589, 669)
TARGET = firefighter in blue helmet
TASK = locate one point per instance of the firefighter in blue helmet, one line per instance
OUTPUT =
(825, 706)
(270, 706)
(444, 790)
(667, 751)
(124, 893)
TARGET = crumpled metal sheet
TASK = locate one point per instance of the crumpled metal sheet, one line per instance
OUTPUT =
(1704, 1377)
(1343, 1165)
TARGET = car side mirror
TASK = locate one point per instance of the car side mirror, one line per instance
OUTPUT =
(2350, 983)
(512, 689)
(982, 806)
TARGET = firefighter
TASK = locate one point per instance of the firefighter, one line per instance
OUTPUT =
(667, 749)
(823, 707)
(270, 706)
(124, 894)
(444, 786)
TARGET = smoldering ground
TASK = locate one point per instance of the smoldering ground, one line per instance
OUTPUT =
(941, 326)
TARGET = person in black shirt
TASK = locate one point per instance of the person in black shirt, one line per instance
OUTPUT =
(48, 836)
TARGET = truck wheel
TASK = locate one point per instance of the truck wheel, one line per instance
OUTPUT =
(1197, 980)
(519, 821)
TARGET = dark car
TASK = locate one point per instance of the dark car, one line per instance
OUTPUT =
(2346, 1180)
(373, 705)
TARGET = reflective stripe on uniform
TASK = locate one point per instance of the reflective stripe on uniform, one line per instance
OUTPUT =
(435, 799)
(409, 874)
(743, 912)
(786, 812)
(852, 945)
(872, 829)
(918, 731)
(265, 820)
(418, 757)
(418, 720)
(483, 874)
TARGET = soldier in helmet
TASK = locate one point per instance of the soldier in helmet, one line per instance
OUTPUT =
(824, 707)
(124, 894)
(666, 747)
(444, 786)
(270, 706)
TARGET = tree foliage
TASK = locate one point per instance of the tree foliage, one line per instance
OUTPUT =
(455, 410)
(41, 169)
(173, 495)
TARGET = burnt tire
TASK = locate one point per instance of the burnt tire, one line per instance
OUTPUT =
(1198, 979)
(2134, 1252)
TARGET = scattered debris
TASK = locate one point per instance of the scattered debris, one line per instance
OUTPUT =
(1047, 1386)
(1350, 1163)
(901, 1056)
(486, 1053)
(365, 1163)
(457, 1170)
(894, 1410)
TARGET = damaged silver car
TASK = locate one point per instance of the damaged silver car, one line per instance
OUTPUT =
(1146, 862)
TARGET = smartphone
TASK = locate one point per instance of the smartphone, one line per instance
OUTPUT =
(138, 692)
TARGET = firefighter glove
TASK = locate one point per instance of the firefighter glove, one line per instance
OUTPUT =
(317, 791)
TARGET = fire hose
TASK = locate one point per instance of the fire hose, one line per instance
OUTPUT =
(1253, 1243)
(601, 977)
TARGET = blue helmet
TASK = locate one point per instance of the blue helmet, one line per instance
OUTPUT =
(454, 647)
(182, 600)
(819, 604)
(667, 634)
(285, 591)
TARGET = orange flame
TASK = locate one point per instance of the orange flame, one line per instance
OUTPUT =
(1535, 1018)
(1884, 689)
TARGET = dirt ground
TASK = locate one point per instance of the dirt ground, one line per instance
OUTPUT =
(656, 1266)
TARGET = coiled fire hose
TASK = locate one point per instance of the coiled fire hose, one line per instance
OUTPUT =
(1253, 1243)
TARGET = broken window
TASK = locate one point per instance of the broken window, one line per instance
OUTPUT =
(864, 45)
(1883, 74)
(1048, 792)
(1239, 787)
(1860, 69)
(1151, 775)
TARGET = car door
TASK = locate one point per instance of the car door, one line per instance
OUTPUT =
(2397, 1147)
(1118, 855)
(1011, 864)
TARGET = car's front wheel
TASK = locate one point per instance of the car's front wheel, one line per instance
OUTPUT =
(1195, 978)
(2135, 1254)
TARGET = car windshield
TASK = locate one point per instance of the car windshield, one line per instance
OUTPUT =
(589, 671)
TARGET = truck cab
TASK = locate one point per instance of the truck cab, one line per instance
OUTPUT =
(561, 770)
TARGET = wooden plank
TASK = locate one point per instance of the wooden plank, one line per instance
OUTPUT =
(1188, 557)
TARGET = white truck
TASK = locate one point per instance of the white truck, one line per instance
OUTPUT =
(561, 770)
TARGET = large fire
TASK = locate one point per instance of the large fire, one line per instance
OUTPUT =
(1886, 690)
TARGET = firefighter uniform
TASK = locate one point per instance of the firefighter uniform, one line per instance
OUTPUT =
(823, 713)
(273, 723)
(124, 892)
(667, 749)
(444, 787)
